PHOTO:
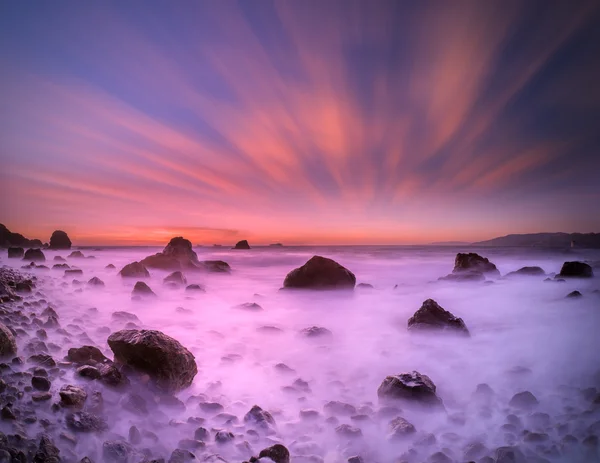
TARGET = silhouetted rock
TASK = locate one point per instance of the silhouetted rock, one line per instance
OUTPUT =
(47, 452)
(95, 281)
(242, 245)
(249, 306)
(574, 294)
(278, 453)
(15, 252)
(320, 273)
(215, 266)
(524, 400)
(143, 290)
(163, 358)
(315, 332)
(8, 345)
(88, 355)
(34, 255)
(117, 451)
(177, 255)
(400, 429)
(575, 270)
(8, 238)
(73, 272)
(176, 277)
(76, 255)
(59, 240)
(134, 270)
(469, 262)
(72, 396)
(61, 266)
(259, 418)
(431, 316)
(464, 276)
(364, 286)
(110, 267)
(410, 387)
(85, 422)
(527, 271)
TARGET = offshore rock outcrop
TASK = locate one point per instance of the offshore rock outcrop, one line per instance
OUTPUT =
(471, 267)
(60, 240)
(242, 245)
(575, 270)
(431, 316)
(320, 273)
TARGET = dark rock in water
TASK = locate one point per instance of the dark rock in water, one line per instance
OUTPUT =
(222, 437)
(41, 383)
(85, 422)
(468, 262)
(575, 270)
(527, 271)
(181, 456)
(574, 294)
(42, 359)
(110, 267)
(23, 287)
(413, 387)
(124, 316)
(215, 266)
(34, 255)
(95, 281)
(465, 276)
(335, 407)
(134, 270)
(89, 355)
(259, 417)
(61, 266)
(88, 371)
(431, 316)
(163, 358)
(348, 432)
(249, 306)
(278, 453)
(47, 452)
(524, 400)
(364, 286)
(15, 253)
(41, 396)
(315, 332)
(177, 255)
(72, 396)
(142, 289)
(509, 455)
(135, 404)
(116, 451)
(111, 375)
(76, 255)
(195, 288)
(176, 277)
(59, 259)
(320, 273)
(400, 428)
(73, 272)
(60, 240)
(242, 245)
(201, 434)
(135, 437)
(8, 344)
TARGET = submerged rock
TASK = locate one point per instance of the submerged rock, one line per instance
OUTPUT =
(76, 255)
(15, 252)
(89, 355)
(315, 332)
(143, 290)
(72, 396)
(575, 270)
(176, 277)
(467, 262)
(524, 400)
(195, 288)
(134, 270)
(431, 316)
(259, 417)
(8, 344)
(163, 358)
(574, 294)
(249, 306)
(413, 387)
(116, 451)
(320, 273)
(85, 422)
(215, 266)
(400, 428)
(95, 281)
(527, 271)
(60, 240)
(34, 255)
(278, 453)
(242, 245)
(47, 452)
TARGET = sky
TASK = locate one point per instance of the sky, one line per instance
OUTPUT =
(299, 121)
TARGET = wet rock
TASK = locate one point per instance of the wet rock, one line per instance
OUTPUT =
(7, 413)
(355, 459)
(15, 252)
(534, 437)
(413, 387)
(41, 396)
(249, 306)
(23, 287)
(335, 407)
(195, 288)
(575, 270)
(259, 418)
(47, 452)
(431, 316)
(61, 266)
(72, 396)
(347, 431)
(509, 455)
(268, 329)
(210, 407)
(176, 277)
(116, 451)
(242, 245)
(315, 332)
(40, 383)
(134, 403)
(60, 240)
(43, 360)
(76, 255)
(469, 262)
(364, 286)
(85, 422)
(524, 400)
(440, 457)
(110, 267)
(134, 435)
(143, 290)
(134, 270)
(320, 273)
(95, 281)
(527, 271)
(8, 344)
(400, 428)
(34, 255)
(73, 271)
(125, 317)
(177, 255)
(223, 437)
(88, 355)
(163, 358)
(88, 371)
(181, 456)
(215, 266)
(574, 295)
(201, 434)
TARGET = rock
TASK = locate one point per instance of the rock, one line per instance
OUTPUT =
(143, 290)
(88, 355)
(34, 255)
(320, 273)
(176, 277)
(125, 317)
(110, 267)
(76, 255)
(47, 452)
(134, 435)
(223, 437)
(181, 456)
(163, 358)
(42, 359)
(527, 271)
(60, 240)
(431, 316)
(336, 407)
(61, 266)
(23, 287)
(215, 266)
(8, 344)
(195, 288)
(259, 417)
(135, 404)
(524, 400)
(41, 396)
(575, 270)
(413, 387)
(201, 434)
(40, 383)
(278, 453)
(509, 455)
(134, 270)
(475, 450)
(249, 306)
(95, 281)
(400, 429)
(15, 252)
(364, 286)
(574, 294)
(116, 451)
(85, 422)
(211, 407)
(355, 459)
(242, 245)
(72, 396)
(469, 262)
(88, 371)
(348, 432)
(315, 332)
(177, 255)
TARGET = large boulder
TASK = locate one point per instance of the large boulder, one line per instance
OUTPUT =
(431, 316)
(411, 387)
(320, 273)
(527, 271)
(179, 255)
(141, 289)
(176, 277)
(215, 266)
(60, 240)
(8, 238)
(170, 365)
(242, 245)
(15, 252)
(34, 255)
(134, 270)
(469, 262)
(8, 345)
(575, 270)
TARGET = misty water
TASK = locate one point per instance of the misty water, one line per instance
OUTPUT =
(525, 335)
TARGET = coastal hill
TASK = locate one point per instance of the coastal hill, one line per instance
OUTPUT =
(550, 240)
